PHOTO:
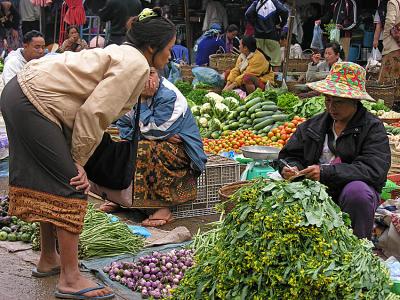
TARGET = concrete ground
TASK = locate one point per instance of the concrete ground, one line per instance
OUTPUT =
(16, 282)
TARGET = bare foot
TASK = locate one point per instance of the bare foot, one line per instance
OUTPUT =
(159, 218)
(80, 282)
(109, 207)
(47, 264)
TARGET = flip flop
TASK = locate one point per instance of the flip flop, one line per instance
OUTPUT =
(36, 273)
(79, 295)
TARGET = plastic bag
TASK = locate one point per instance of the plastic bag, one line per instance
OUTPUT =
(373, 65)
(174, 73)
(316, 42)
(208, 76)
(334, 35)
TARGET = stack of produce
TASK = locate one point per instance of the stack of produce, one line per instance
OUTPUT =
(390, 115)
(393, 128)
(309, 107)
(13, 229)
(284, 241)
(377, 108)
(152, 275)
(103, 235)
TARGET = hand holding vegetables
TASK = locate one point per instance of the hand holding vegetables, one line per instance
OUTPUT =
(229, 86)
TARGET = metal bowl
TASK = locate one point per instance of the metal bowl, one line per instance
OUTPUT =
(260, 152)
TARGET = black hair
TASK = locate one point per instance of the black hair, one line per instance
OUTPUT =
(249, 42)
(293, 40)
(337, 49)
(72, 27)
(232, 28)
(30, 35)
(155, 32)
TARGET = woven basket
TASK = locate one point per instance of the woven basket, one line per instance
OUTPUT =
(228, 190)
(223, 62)
(297, 65)
(186, 72)
(386, 92)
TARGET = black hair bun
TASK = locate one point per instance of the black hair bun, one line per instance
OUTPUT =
(158, 11)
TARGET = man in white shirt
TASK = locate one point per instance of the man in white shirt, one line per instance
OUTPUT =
(34, 47)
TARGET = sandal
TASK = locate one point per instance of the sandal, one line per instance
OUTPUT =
(109, 207)
(79, 295)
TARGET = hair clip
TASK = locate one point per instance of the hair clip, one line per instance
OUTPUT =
(147, 13)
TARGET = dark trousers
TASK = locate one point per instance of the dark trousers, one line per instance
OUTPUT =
(360, 201)
(29, 26)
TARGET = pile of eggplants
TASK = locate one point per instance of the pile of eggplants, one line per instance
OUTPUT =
(152, 275)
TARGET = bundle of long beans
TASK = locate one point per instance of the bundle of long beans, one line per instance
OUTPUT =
(103, 238)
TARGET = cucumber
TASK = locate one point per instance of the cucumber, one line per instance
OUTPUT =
(268, 102)
(245, 126)
(241, 108)
(280, 118)
(243, 120)
(269, 108)
(263, 124)
(242, 114)
(266, 129)
(254, 107)
(249, 121)
(234, 126)
(262, 114)
(252, 102)
(259, 120)
(258, 110)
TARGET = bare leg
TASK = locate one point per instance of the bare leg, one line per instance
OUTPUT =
(161, 217)
(49, 257)
(71, 279)
(250, 88)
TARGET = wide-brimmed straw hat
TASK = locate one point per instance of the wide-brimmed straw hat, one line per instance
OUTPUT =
(346, 80)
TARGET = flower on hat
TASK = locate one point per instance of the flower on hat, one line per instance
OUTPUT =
(346, 80)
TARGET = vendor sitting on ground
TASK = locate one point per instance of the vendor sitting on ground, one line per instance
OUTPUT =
(252, 69)
(170, 152)
(346, 148)
(74, 42)
(317, 69)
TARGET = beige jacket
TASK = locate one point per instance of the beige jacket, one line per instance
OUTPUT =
(85, 91)
(392, 18)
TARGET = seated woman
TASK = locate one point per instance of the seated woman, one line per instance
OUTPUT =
(252, 68)
(209, 43)
(170, 152)
(318, 69)
(346, 148)
(73, 43)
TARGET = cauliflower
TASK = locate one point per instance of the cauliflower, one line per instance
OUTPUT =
(214, 98)
(196, 110)
(231, 102)
(203, 122)
(205, 108)
(221, 110)
(215, 124)
(207, 116)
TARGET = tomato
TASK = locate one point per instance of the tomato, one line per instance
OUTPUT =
(284, 137)
(281, 127)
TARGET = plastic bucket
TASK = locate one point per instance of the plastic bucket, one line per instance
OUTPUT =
(368, 39)
(354, 53)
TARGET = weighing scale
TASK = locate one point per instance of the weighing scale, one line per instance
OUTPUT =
(262, 156)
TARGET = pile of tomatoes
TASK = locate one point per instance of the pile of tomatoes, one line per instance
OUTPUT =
(396, 124)
(233, 140)
(282, 133)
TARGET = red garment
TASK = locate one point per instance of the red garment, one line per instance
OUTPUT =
(76, 13)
